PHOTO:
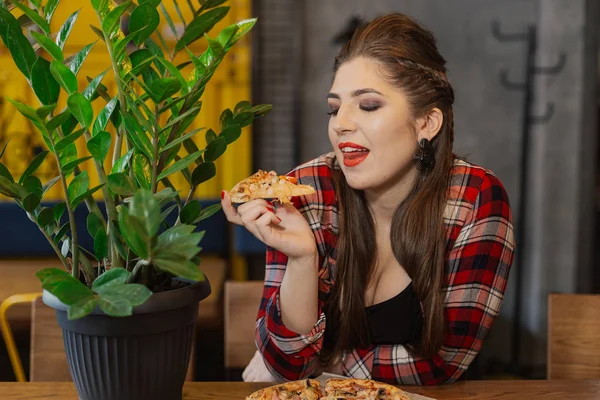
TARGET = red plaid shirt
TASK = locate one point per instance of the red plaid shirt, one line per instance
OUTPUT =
(479, 254)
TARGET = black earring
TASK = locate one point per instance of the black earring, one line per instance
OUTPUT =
(424, 158)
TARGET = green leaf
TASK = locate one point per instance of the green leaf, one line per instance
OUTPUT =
(142, 171)
(59, 210)
(27, 111)
(35, 164)
(208, 4)
(67, 140)
(70, 166)
(244, 119)
(162, 88)
(144, 19)
(190, 211)
(231, 133)
(61, 232)
(20, 49)
(242, 106)
(226, 35)
(121, 184)
(215, 149)
(31, 201)
(168, 211)
(48, 45)
(261, 110)
(34, 16)
(64, 76)
(83, 307)
(100, 5)
(115, 306)
(226, 118)
(193, 112)
(153, 3)
(204, 172)
(165, 196)
(33, 185)
(98, 32)
(45, 217)
(110, 24)
(94, 224)
(245, 27)
(93, 85)
(180, 140)
(49, 9)
(210, 136)
(6, 173)
(58, 120)
(104, 116)
(11, 189)
(200, 25)
(81, 108)
(78, 185)
(145, 208)
(64, 286)
(4, 147)
(133, 232)
(99, 146)
(208, 212)
(122, 162)
(77, 60)
(84, 196)
(175, 73)
(44, 111)
(135, 293)
(169, 20)
(43, 83)
(65, 30)
(111, 278)
(136, 135)
(117, 239)
(48, 185)
(178, 267)
(179, 165)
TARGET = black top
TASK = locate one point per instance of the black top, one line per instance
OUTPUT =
(398, 320)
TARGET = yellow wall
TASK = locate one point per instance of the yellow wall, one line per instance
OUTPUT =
(230, 84)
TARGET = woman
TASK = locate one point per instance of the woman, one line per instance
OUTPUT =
(395, 269)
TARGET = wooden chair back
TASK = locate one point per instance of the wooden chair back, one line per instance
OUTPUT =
(573, 336)
(242, 300)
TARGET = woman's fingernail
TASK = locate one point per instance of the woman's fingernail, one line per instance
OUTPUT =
(278, 218)
(270, 209)
(222, 194)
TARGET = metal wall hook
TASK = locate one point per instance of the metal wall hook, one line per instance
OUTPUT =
(506, 82)
(507, 37)
(542, 119)
(555, 69)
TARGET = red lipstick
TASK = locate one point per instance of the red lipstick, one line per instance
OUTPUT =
(353, 153)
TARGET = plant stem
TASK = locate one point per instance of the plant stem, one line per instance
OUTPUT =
(136, 269)
(74, 241)
(155, 159)
(62, 259)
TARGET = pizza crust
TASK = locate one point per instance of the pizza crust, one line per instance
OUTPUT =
(268, 185)
(307, 389)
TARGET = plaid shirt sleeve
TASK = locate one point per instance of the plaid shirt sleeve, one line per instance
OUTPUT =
(477, 267)
(287, 354)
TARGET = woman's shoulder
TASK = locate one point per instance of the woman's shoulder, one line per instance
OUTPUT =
(318, 173)
(468, 181)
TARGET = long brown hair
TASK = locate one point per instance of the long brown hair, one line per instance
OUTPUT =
(411, 61)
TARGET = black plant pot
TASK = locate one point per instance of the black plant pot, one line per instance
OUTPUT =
(144, 356)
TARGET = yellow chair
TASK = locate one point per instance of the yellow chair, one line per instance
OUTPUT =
(11, 347)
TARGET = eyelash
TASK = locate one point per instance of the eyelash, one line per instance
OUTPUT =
(366, 109)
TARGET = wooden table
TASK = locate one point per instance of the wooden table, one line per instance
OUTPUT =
(481, 390)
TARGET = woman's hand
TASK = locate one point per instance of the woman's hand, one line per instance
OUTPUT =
(283, 228)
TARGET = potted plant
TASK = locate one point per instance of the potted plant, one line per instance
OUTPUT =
(128, 306)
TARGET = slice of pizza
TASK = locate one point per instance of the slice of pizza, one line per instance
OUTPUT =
(362, 389)
(308, 389)
(268, 185)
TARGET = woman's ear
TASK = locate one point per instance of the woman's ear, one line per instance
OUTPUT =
(429, 125)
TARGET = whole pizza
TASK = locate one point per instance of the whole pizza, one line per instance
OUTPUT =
(268, 185)
(335, 389)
